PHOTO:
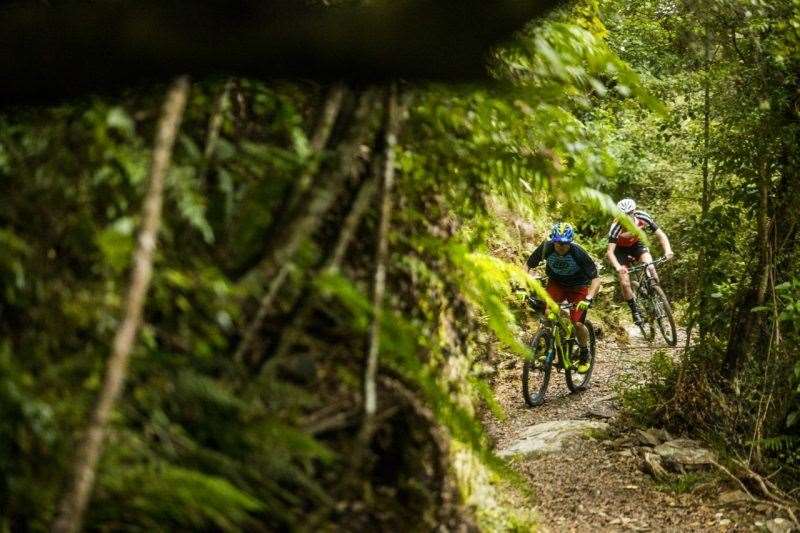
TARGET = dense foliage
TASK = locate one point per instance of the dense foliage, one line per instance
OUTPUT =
(722, 168)
(233, 422)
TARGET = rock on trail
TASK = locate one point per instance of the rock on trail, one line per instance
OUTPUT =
(549, 437)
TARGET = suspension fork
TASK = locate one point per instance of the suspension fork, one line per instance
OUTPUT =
(651, 274)
(561, 347)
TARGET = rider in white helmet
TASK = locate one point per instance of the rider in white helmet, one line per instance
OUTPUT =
(625, 247)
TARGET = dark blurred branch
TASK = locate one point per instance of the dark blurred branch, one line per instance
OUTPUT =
(53, 52)
(277, 261)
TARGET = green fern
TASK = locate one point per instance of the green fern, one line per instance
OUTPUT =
(161, 497)
(400, 344)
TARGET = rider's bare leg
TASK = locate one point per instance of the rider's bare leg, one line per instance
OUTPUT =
(627, 294)
(582, 333)
(625, 283)
(651, 270)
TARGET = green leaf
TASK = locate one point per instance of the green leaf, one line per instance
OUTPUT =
(300, 143)
(118, 119)
(186, 189)
(116, 243)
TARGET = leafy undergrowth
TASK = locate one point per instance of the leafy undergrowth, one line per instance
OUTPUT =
(689, 482)
(683, 398)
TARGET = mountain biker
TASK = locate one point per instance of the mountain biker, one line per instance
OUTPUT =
(573, 277)
(624, 246)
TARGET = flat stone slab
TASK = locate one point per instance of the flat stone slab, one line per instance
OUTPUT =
(549, 437)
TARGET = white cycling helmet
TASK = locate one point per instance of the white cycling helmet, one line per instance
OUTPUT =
(626, 205)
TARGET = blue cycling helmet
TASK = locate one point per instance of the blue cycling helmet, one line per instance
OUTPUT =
(562, 232)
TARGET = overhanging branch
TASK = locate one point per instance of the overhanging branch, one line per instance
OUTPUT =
(53, 52)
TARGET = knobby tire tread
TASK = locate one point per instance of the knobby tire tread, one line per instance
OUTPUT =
(536, 399)
(648, 326)
(582, 381)
(659, 293)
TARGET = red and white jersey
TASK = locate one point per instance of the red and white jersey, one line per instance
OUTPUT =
(624, 239)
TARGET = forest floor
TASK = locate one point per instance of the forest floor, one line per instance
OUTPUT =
(593, 484)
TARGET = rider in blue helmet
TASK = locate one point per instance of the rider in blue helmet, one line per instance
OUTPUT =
(572, 276)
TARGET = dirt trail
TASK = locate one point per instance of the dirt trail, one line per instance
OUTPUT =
(590, 486)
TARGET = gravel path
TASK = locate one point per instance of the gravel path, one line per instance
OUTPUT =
(590, 486)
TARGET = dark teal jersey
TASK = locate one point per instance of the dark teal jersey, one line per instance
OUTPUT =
(573, 269)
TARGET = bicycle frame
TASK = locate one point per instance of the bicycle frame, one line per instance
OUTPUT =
(643, 266)
(642, 277)
(561, 333)
(655, 306)
(553, 346)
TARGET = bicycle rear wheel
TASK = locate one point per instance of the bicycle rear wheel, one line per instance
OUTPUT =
(663, 316)
(575, 380)
(536, 370)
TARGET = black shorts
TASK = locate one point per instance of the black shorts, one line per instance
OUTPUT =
(629, 254)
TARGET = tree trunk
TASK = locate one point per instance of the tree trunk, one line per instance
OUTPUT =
(359, 207)
(73, 504)
(706, 200)
(333, 104)
(745, 323)
(298, 195)
(292, 203)
(215, 121)
(306, 221)
(787, 198)
(381, 258)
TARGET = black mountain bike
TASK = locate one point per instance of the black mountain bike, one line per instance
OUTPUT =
(554, 346)
(653, 303)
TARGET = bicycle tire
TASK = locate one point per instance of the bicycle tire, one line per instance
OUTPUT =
(536, 370)
(672, 339)
(581, 381)
(647, 326)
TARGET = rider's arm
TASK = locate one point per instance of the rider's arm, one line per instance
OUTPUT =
(664, 241)
(613, 233)
(590, 269)
(658, 232)
(594, 288)
(613, 258)
(536, 257)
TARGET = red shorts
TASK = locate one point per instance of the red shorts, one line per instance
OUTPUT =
(573, 295)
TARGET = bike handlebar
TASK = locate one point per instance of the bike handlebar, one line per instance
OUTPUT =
(645, 265)
(565, 306)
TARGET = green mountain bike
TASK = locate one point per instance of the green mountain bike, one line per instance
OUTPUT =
(553, 346)
(655, 307)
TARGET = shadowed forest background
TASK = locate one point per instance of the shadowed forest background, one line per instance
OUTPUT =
(333, 262)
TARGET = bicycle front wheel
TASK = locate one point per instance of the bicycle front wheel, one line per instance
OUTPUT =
(646, 307)
(575, 380)
(663, 316)
(536, 370)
